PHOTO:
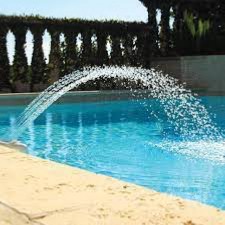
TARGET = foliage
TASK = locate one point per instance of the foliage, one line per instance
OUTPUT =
(131, 43)
(64, 57)
(20, 67)
(4, 61)
(79, 24)
(197, 27)
(38, 64)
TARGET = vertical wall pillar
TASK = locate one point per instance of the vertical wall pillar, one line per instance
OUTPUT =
(102, 51)
(4, 60)
(153, 28)
(178, 28)
(140, 46)
(165, 28)
(86, 48)
(128, 51)
(20, 67)
(55, 63)
(38, 66)
(70, 60)
(116, 52)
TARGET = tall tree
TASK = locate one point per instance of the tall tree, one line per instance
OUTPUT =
(20, 67)
(38, 64)
(151, 6)
(165, 30)
(4, 60)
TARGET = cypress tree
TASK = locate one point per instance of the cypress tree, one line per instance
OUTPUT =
(70, 58)
(4, 60)
(55, 61)
(38, 64)
(165, 27)
(20, 67)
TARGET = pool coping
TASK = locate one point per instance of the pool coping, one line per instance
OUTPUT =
(34, 191)
(8, 99)
(100, 92)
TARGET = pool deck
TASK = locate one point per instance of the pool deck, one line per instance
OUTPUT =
(34, 191)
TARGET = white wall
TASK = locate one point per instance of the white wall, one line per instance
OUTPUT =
(201, 73)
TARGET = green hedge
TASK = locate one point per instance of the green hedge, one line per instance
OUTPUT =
(132, 43)
(65, 57)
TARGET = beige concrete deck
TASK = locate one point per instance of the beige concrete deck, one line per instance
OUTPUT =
(35, 191)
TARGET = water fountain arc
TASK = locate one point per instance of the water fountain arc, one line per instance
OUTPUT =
(188, 116)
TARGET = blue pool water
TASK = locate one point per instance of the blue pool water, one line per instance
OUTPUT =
(117, 139)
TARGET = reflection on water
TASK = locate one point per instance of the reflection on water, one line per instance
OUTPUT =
(48, 134)
(31, 140)
(63, 151)
(113, 138)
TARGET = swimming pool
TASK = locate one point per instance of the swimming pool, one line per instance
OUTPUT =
(117, 138)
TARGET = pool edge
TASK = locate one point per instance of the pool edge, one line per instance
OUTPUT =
(46, 192)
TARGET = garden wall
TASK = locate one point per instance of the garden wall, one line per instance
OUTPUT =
(204, 74)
